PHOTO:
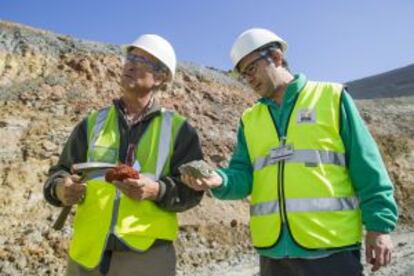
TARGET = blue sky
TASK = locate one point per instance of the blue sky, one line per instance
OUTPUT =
(328, 40)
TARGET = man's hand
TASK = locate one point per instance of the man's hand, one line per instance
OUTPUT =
(378, 249)
(139, 189)
(203, 183)
(70, 190)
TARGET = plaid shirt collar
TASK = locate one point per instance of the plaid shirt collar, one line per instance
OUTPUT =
(132, 119)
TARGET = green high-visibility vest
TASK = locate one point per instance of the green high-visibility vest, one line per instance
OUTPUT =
(301, 179)
(105, 210)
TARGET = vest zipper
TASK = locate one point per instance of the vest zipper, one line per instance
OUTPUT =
(282, 201)
(280, 188)
(115, 211)
(118, 192)
(281, 166)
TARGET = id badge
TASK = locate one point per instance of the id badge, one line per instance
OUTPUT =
(281, 153)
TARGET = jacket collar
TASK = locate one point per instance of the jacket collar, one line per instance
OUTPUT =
(293, 88)
(152, 110)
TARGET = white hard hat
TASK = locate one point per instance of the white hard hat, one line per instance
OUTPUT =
(159, 48)
(252, 40)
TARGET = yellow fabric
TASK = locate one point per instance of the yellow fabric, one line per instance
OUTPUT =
(311, 229)
(91, 224)
(261, 136)
(137, 223)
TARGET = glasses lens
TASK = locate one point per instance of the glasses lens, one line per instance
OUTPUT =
(251, 69)
(143, 61)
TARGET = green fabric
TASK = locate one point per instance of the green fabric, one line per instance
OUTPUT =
(311, 229)
(374, 189)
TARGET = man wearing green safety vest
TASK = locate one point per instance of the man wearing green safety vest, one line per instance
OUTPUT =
(128, 227)
(310, 166)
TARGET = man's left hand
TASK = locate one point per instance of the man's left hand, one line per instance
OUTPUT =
(139, 189)
(203, 183)
(378, 249)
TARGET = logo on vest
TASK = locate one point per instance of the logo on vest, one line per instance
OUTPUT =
(306, 116)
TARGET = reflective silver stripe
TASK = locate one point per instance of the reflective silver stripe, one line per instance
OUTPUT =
(164, 143)
(309, 157)
(262, 162)
(99, 123)
(317, 157)
(306, 205)
(265, 208)
(321, 204)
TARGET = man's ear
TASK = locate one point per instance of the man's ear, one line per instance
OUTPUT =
(159, 79)
(277, 57)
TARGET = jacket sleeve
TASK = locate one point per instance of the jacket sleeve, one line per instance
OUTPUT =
(73, 152)
(367, 171)
(238, 177)
(174, 195)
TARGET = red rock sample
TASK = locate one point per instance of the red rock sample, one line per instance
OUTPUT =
(120, 173)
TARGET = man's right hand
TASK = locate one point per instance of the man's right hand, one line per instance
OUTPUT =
(203, 183)
(70, 190)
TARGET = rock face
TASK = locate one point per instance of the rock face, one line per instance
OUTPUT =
(49, 82)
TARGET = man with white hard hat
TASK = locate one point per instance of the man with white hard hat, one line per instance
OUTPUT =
(128, 227)
(312, 169)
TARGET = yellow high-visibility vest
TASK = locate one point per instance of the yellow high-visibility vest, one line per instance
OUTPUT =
(105, 209)
(302, 179)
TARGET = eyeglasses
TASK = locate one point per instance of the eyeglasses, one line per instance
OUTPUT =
(145, 63)
(251, 69)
